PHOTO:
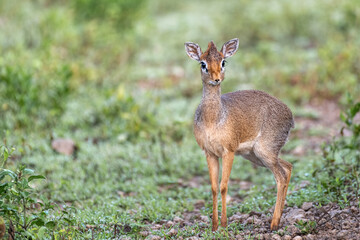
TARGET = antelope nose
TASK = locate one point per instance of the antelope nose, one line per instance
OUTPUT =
(217, 80)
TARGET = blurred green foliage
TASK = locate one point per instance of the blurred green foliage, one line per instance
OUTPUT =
(121, 13)
(114, 77)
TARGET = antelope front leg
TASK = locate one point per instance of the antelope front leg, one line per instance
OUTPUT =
(227, 161)
(213, 165)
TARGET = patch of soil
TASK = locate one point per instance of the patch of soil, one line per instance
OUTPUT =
(327, 121)
(308, 222)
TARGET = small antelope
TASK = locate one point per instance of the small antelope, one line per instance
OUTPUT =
(249, 123)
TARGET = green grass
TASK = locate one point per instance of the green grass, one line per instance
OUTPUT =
(118, 82)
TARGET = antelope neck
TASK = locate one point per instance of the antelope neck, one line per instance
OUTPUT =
(211, 106)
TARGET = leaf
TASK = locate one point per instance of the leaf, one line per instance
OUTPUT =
(7, 172)
(39, 222)
(342, 117)
(68, 220)
(33, 177)
(41, 233)
(28, 171)
(2, 228)
(50, 224)
(6, 154)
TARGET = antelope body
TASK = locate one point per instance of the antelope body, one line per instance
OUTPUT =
(249, 123)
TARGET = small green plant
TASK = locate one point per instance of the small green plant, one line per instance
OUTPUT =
(306, 227)
(17, 199)
(25, 212)
(339, 176)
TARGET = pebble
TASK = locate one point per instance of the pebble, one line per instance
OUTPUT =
(204, 218)
(310, 237)
(154, 237)
(172, 232)
(275, 237)
(287, 237)
(144, 233)
(341, 234)
(295, 215)
(306, 206)
(64, 146)
(346, 225)
(156, 227)
(297, 238)
(169, 224)
(178, 219)
(253, 220)
(267, 236)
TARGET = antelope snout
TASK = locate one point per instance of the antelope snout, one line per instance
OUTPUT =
(217, 80)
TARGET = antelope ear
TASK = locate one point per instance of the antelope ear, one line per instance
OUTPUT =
(193, 51)
(229, 48)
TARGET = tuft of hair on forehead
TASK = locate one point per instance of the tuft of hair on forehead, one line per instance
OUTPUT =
(212, 53)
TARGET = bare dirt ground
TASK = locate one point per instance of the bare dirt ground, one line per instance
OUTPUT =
(297, 223)
(308, 222)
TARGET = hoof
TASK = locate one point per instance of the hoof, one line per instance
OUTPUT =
(274, 227)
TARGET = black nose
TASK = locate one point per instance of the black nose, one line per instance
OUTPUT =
(217, 80)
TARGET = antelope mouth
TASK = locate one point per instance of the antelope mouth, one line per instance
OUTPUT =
(214, 83)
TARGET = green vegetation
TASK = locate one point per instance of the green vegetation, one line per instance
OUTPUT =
(115, 78)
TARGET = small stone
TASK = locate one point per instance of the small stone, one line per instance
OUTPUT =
(354, 209)
(292, 230)
(178, 219)
(193, 238)
(267, 236)
(259, 237)
(334, 212)
(253, 220)
(64, 146)
(287, 237)
(346, 224)
(295, 215)
(310, 237)
(156, 227)
(144, 233)
(169, 224)
(306, 206)
(172, 232)
(204, 218)
(297, 238)
(154, 237)
(275, 237)
(341, 234)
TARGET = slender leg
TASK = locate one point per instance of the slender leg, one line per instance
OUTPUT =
(213, 165)
(227, 161)
(282, 173)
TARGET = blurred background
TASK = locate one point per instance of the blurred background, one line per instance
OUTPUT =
(113, 77)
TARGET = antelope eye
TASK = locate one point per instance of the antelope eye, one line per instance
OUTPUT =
(203, 65)
(223, 63)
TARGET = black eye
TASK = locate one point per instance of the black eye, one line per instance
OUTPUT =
(223, 63)
(203, 65)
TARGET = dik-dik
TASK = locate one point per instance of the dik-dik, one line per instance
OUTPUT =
(249, 123)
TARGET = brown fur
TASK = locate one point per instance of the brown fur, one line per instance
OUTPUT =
(249, 123)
